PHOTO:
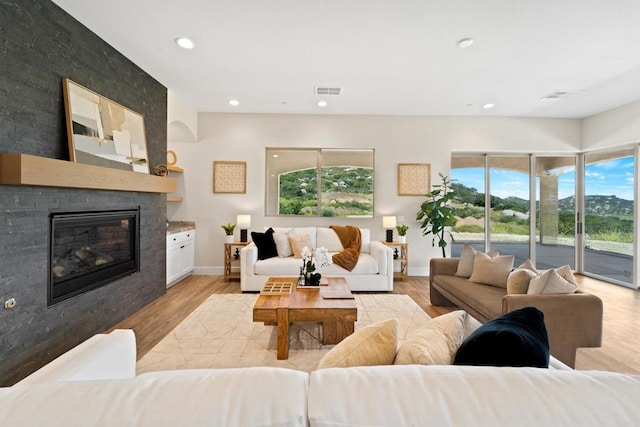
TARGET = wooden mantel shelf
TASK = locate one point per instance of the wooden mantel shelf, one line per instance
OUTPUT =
(24, 169)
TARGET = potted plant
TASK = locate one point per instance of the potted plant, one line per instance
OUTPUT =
(228, 231)
(402, 232)
(436, 213)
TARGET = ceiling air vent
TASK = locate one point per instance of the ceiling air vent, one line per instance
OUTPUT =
(324, 90)
(557, 94)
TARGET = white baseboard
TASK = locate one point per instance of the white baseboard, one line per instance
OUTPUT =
(207, 271)
(418, 271)
(219, 271)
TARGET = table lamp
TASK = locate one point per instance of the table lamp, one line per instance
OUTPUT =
(389, 223)
(244, 222)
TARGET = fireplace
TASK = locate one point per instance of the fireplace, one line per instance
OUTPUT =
(88, 250)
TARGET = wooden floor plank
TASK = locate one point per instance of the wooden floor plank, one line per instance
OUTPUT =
(620, 351)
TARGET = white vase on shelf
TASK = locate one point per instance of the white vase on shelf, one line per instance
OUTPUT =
(402, 239)
(229, 239)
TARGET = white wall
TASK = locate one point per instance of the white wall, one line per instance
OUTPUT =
(182, 120)
(243, 137)
(614, 127)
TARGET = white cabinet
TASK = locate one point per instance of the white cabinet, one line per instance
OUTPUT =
(180, 255)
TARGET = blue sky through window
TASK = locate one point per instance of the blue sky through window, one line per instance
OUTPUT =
(612, 177)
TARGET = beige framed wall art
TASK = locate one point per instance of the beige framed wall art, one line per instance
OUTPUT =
(414, 179)
(229, 177)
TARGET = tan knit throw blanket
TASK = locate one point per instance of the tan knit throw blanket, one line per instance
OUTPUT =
(351, 240)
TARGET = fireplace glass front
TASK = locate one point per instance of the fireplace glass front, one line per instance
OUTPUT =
(91, 249)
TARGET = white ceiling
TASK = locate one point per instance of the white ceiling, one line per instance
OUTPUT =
(395, 57)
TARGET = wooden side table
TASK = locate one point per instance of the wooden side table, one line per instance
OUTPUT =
(232, 257)
(401, 256)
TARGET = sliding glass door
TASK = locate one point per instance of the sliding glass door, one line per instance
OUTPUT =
(555, 182)
(609, 214)
(555, 210)
(510, 205)
(468, 182)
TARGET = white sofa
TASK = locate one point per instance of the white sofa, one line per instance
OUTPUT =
(96, 387)
(373, 272)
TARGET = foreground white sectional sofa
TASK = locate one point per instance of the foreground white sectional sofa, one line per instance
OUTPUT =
(95, 385)
(373, 272)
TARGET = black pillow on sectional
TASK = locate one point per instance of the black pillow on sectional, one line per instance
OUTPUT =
(265, 243)
(517, 338)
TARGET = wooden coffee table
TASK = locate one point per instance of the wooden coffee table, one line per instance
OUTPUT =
(337, 314)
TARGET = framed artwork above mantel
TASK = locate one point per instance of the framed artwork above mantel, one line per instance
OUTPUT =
(102, 132)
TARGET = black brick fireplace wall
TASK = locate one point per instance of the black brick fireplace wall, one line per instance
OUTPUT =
(40, 44)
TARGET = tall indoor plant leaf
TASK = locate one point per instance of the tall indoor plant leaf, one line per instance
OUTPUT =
(436, 213)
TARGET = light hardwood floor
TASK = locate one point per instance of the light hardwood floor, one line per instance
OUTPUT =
(620, 351)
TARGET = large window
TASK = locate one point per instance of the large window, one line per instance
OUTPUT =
(319, 182)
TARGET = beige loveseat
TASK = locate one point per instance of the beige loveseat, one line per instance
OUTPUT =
(572, 320)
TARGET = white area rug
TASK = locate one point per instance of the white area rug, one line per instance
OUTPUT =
(220, 333)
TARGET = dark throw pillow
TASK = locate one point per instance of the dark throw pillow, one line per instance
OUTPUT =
(265, 243)
(517, 338)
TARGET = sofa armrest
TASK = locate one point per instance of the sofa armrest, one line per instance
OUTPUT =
(443, 266)
(572, 320)
(248, 259)
(383, 255)
(103, 356)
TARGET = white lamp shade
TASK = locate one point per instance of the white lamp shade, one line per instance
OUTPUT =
(388, 222)
(243, 221)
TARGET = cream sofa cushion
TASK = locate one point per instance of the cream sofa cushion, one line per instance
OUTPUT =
(372, 345)
(298, 243)
(467, 257)
(491, 271)
(434, 343)
(518, 281)
(283, 246)
(553, 282)
(327, 238)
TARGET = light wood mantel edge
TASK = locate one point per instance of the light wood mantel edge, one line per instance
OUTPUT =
(24, 169)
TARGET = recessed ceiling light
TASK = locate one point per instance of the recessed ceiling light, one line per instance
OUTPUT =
(234, 102)
(488, 106)
(322, 104)
(275, 156)
(466, 42)
(185, 43)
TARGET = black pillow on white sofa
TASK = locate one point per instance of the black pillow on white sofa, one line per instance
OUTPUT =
(517, 338)
(265, 243)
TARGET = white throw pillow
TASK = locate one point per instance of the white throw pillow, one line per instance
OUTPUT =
(434, 343)
(467, 256)
(491, 271)
(283, 246)
(552, 282)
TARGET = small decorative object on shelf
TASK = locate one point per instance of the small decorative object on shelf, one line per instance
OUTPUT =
(402, 232)
(159, 170)
(308, 272)
(228, 231)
